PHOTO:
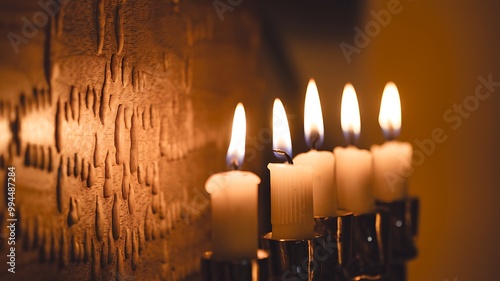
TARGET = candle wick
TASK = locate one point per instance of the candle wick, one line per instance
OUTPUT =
(315, 138)
(234, 165)
(282, 152)
(391, 133)
(351, 136)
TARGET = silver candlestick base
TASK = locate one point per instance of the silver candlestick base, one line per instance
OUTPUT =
(370, 247)
(337, 235)
(403, 217)
(242, 270)
(295, 259)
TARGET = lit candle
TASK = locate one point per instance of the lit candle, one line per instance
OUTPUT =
(324, 191)
(233, 198)
(291, 186)
(353, 168)
(391, 159)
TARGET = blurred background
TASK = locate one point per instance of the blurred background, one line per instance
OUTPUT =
(435, 52)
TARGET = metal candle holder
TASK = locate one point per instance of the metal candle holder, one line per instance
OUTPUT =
(337, 235)
(403, 217)
(295, 259)
(373, 246)
(242, 270)
(370, 247)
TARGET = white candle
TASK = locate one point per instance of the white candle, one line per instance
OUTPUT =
(322, 162)
(353, 168)
(391, 159)
(291, 187)
(233, 197)
(353, 172)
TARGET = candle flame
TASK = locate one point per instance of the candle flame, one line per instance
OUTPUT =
(313, 116)
(350, 119)
(389, 117)
(236, 151)
(281, 131)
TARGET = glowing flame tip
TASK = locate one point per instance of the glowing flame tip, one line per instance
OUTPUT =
(281, 130)
(313, 116)
(389, 117)
(236, 151)
(350, 119)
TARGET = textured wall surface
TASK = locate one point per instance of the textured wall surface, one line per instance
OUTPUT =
(113, 114)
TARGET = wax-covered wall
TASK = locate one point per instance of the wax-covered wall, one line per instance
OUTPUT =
(443, 56)
(112, 116)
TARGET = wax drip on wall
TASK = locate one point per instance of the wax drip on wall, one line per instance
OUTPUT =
(101, 25)
(120, 38)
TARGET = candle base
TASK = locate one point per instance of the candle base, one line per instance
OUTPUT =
(243, 270)
(295, 259)
(337, 235)
(403, 217)
(370, 247)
